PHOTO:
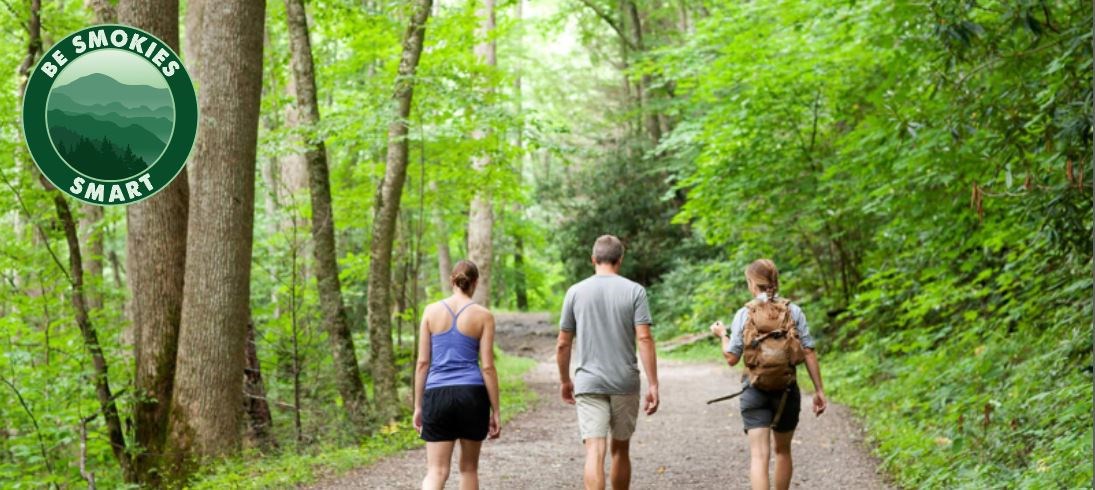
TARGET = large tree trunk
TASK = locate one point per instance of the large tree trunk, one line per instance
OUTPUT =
(205, 408)
(335, 321)
(481, 215)
(156, 261)
(386, 211)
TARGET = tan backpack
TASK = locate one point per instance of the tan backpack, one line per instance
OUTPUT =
(772, 346)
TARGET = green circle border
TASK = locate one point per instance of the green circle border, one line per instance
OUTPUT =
(60, 174)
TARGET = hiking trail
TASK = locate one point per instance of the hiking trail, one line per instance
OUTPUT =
(686, 444)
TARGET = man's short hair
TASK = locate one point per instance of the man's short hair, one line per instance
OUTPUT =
(608, 250)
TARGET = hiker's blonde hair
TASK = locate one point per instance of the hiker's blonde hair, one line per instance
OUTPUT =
(763, 275)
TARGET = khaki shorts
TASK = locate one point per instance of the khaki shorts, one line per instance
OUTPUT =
(605, 415)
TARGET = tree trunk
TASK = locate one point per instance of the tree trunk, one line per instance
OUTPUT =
(93, 260)
(520, 287)
(444, 257)
(481, 215)
(155, 260)
(90, 215)
(258, 410)
(650, 117)
(386, 211)
(205, 408)
(107, 405)
(335, 321)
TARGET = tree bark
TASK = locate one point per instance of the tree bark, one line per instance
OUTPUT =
(335, 321)
(386, 211)
(93, 260)
(481, 214)
(156, 262)
(205, 408)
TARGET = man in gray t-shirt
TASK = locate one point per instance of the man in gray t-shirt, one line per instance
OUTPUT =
(606, 315)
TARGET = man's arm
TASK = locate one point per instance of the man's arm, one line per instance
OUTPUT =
(650, 365)
(562, 358)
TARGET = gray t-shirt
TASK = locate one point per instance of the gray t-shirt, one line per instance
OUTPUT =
(603, 311)
(737, 345)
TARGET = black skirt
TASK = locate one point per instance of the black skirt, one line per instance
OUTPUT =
(455, 412)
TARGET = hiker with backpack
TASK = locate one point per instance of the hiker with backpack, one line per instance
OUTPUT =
(771, 335)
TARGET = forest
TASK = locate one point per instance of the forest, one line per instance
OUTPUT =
(920, 171)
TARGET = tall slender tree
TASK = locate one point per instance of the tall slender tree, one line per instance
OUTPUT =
(386, 212)
(481, 214)
(108, 406)
(206, 404)
(156, 262)
(335, 321)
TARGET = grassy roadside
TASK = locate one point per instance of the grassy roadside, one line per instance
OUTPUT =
(288, 470)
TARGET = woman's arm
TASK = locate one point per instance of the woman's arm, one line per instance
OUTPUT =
(421, 368)
(814, 369)
(490, 374)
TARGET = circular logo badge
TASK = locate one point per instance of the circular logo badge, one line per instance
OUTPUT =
(110, 115)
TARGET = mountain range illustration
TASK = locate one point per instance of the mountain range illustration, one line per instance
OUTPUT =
(107, 129)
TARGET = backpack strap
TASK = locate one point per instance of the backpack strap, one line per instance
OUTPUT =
(782, 405)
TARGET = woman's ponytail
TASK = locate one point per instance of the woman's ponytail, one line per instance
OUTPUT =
(762, 273)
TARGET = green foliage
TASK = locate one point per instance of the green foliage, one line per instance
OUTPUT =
(915, 170)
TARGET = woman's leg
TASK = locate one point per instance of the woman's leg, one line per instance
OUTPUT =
(758, 461)
(469, 464)
(783, 459)
(438, 459)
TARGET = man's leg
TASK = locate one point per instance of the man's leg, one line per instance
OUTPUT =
(625, 412)
(594, 413)
(758, 464)
(595, 463)
(783, 459)
(621, 464)
(469, 464)
(438, 459)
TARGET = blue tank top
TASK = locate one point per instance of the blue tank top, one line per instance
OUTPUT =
(454, 357)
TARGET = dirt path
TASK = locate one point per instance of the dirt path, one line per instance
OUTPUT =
(687, 444)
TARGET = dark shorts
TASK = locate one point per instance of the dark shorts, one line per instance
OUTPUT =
(455, 412)
(758, 407)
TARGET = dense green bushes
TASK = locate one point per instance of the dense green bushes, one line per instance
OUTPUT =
(918, 172)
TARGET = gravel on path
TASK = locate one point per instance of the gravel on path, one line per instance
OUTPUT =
(687, 444)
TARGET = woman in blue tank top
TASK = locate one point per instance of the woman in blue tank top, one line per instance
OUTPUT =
(455, 383)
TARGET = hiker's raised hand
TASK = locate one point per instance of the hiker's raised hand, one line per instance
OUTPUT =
(652, 400)
(820, 404)
(718, 329)
(418, 420)
(495, 426)
(566, 390)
